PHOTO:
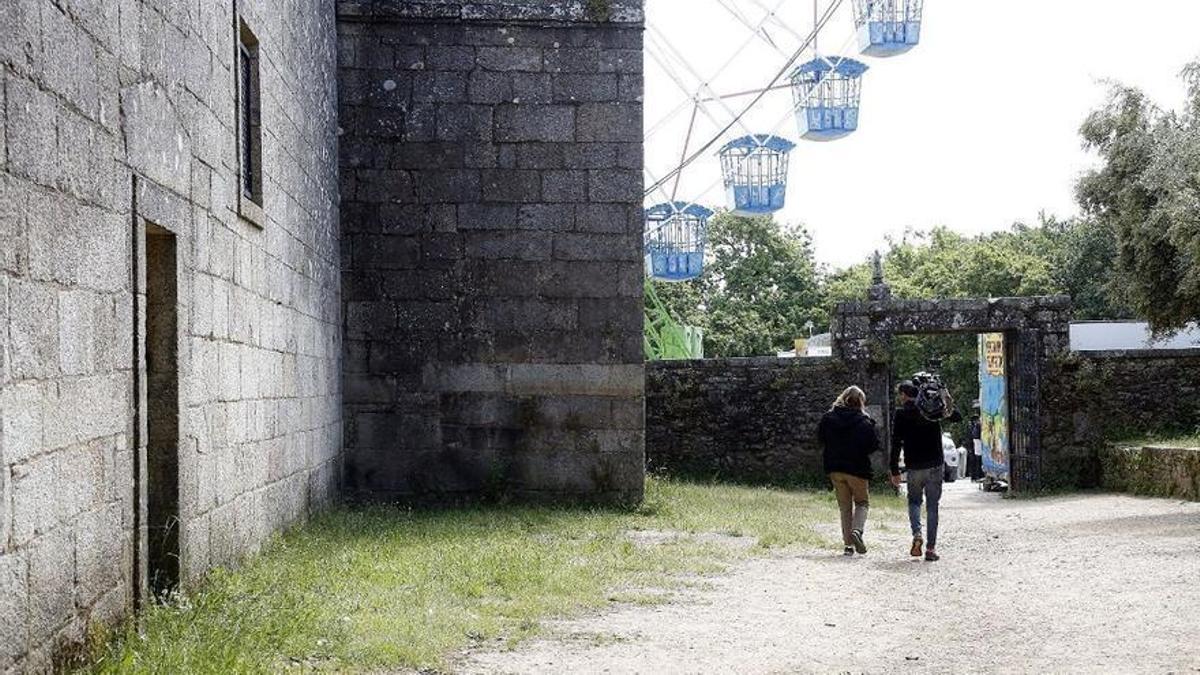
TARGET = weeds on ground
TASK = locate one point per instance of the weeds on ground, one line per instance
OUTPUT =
(1171, 440)
(380, 587)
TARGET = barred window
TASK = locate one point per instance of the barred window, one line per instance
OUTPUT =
(249, 117)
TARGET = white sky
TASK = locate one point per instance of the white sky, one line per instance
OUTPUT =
(975, 128)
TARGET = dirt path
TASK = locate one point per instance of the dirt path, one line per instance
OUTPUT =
(1095, 583)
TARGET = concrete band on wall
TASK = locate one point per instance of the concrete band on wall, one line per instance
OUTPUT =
(96, 94)
(491, 169)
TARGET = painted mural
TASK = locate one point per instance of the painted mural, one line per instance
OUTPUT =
(993, 405)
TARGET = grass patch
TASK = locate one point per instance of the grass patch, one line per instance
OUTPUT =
(1172, 441)
(380, 587)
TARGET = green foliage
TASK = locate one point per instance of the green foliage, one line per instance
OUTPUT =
(1147, 194)
(662, 336)
(1052, 257)
(1073, 257)
(386, 588)
(958, 353)
(760, 287)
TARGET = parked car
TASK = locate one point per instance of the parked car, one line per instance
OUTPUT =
(951, 453)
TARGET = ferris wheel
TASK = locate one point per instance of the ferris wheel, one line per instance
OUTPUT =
(826, 94)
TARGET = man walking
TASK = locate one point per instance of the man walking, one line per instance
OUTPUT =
(974, 445)
(920, 440)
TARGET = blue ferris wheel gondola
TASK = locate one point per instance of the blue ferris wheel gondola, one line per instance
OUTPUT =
(754, 169)
(675, 236)
(887, 27)
(827, 92)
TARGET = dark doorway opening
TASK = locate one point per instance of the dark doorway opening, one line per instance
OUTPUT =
(952, 357)
(160, 324)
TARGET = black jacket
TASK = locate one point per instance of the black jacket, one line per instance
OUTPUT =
(920, 439)
(848, 437)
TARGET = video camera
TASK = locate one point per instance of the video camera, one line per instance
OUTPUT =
(931, 395)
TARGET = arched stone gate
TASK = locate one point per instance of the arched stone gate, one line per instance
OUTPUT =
(1036, 332)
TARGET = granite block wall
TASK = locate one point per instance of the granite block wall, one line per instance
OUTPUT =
(748, 420)
(1095, 398)
(491, 178)
(754, 420)
(93, 97)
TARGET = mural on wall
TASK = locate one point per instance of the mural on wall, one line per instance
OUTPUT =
(993, 405)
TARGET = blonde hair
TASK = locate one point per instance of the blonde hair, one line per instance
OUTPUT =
(852, 397)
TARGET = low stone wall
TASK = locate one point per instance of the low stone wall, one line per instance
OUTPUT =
(745, 419)
(1090, 398)
(754, 420)
(1151, 470)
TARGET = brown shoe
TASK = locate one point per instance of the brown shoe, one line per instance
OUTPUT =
(930, 556)
(915, 551)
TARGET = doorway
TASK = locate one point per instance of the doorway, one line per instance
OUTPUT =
(954, 359)
(158, 322)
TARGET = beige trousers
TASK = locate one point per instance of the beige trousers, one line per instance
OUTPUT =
(853, 501)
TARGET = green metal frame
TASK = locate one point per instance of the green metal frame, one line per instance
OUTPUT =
(666, 338)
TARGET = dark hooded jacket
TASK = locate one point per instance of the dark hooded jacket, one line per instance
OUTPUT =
(848, 437)
(918, 438)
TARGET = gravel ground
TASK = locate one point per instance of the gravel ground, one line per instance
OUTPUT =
(1090, 583)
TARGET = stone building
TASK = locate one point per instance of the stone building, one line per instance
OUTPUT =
(491, 177)
(195, 311)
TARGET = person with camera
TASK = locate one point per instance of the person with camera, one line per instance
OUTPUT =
(917, 434)
(848, 437)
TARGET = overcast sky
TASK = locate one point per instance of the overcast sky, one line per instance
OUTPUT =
(975, 128)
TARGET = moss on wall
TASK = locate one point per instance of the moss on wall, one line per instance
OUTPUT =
(599, 10)
(1152, 471)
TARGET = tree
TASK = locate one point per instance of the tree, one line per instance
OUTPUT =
(1083, 265)
(1072, 256)
(760, 287)
(1147, 193)
(945, 264)
(1055, 256)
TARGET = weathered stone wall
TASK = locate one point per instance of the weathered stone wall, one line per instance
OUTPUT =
(1036, 330)
(1155, 471)
(751, 419)
(1094, 398)
(491, 158)
(94, 94)
(755, 419)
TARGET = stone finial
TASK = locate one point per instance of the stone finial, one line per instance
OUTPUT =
(879, 289)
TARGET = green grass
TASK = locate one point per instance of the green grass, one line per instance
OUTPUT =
(1164, 440)
(380, 587)
(1189, 441)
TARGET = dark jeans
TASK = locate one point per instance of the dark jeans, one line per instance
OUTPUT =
(927, 484)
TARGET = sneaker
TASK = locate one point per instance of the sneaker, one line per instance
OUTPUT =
(917, 544)
(930, 556)
(859, 545)
(848, 551)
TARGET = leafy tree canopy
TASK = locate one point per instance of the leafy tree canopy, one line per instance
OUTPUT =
(760, 287)
(1147, 194)
(1072, 257)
